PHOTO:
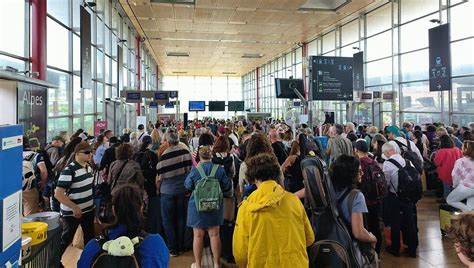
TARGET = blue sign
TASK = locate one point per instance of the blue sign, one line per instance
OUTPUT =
(169, 105)
(197, 106)
(161, 96)
(440, 58)
(133, 96)
(153, 105)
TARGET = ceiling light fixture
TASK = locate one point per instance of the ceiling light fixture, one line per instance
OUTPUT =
(177, 54)
(252, 56)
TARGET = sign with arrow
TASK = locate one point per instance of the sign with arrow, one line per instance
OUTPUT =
(331, 78)
(440, 58)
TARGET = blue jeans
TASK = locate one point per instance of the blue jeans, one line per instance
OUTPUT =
(153, 216)
(446, 190)
(173, 212)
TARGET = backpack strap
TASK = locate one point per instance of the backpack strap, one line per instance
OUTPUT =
(395, 163)
(201, 171)
(408, 144)
(214, 170)
(401, 145)
(118, 175)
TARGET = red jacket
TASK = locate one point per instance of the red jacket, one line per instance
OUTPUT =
(444, 160)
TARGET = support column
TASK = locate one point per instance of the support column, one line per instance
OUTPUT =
(257, 74)
(38, 38)
(138, 70)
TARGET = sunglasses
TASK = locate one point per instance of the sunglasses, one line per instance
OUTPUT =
(86, 152)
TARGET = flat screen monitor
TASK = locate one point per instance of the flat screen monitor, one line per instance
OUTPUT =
(196, 106)
(216, 106)
(161, 96)
(235, 106)
(284, 88)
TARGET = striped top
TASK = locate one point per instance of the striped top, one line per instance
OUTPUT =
(174, 166)
(77, 181)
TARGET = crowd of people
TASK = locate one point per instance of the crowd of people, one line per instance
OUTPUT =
(178, 185)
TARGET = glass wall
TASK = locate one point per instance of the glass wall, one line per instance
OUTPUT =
(203, 88)
(286, 66)
(394, 38)
(70, 106)
(14, 34)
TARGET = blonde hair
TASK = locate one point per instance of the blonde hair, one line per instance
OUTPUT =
(155, 135)
(205, 152)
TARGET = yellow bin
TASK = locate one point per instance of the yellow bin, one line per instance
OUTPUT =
(36, 230)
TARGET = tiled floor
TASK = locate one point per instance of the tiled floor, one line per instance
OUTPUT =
(433, 251)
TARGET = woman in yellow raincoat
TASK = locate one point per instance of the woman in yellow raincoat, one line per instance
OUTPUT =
(272, 229)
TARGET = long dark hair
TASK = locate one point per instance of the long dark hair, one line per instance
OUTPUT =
(344, 172)
(127, 202)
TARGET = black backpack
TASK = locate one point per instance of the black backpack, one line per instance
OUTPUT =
(409, 182)
(407, 153)
(373, 185)
(334, 246)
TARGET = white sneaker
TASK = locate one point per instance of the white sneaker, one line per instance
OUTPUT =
(193, 265)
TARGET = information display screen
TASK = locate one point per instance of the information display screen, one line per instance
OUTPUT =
(236, 106)
(216, 106)
(331, 78)
(133, 97)
(196, 106)
(161, 96)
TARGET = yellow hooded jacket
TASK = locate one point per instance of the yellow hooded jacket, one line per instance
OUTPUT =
(272, 230)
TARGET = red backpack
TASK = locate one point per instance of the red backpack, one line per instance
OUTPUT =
(373, 184)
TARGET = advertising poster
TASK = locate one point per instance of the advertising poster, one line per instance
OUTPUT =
(32, 113)
(99, 127)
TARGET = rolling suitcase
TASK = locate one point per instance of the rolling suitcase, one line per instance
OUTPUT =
(445, 213)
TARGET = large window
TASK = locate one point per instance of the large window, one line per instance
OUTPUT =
(394, 38)
(12, 27)
(70, 106)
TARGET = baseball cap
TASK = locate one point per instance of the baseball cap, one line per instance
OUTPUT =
(361, 145)
(394, 130)
(57, 138)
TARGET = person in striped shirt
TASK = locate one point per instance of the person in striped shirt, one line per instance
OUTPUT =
(74, 192)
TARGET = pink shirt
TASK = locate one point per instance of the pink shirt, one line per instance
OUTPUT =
(463, 172)
(445, 159)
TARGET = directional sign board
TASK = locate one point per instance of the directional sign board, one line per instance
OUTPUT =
(440, 58)
(331, 78)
